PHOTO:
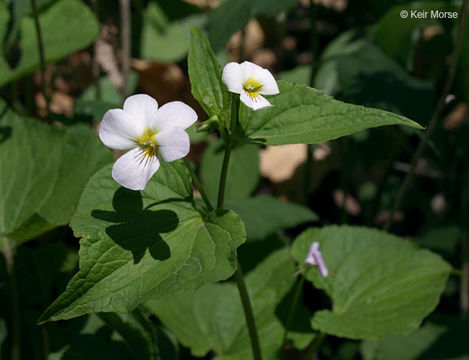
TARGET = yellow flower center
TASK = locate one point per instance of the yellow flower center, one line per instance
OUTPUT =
(252, 87)
(147, 142)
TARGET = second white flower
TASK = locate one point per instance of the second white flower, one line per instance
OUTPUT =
(251, 82)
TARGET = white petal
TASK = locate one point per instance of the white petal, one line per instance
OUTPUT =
(118, 131)
(233, 77)
(174, 114)
(269, 85)
(141, 108)
(251, 70)
(133, 169)
(255, 103)
(173, 143)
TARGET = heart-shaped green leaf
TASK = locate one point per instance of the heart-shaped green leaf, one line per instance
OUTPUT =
(138, 246)
(379, 284)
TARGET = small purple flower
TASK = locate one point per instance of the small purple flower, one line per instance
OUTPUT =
(314, 258)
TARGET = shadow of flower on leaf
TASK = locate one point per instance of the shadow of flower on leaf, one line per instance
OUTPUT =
(137, 228)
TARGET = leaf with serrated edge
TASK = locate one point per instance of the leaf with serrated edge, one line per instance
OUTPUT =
(205, 75)
(379, 284)
(304, 115)
(138, 246)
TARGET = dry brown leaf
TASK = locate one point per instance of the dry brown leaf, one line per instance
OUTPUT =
(278, 163)
(456, 117)
(432, 30)
(164, 82)
(352, 206)
(337, 5)
(60, 103)
(252, 41)
(204, 4)
(265, 58)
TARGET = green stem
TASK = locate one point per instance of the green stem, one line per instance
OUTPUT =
(198, 185)
(309, 352)
(40, 45)
(434, 120)
(238, 275)
(228, 147)
(223, 176)
(234, 113)
(248, 313)
(291, 312)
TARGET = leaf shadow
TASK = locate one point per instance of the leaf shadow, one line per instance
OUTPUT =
(137, 228)
(5, 133)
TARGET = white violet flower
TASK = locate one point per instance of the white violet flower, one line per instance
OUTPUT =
(314, 258)
(149, 133)
(251, 82)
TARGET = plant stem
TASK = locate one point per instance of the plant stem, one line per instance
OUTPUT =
(223, 176)
(309, 352)
(238, 275)
(434, 120)
(40, 46)
(248, 313)
(291, 311)
(198, 185)
(125, 39)
(234, 113)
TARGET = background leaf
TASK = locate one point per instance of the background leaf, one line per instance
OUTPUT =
(44, 169)
(264, 215)
(439, 338)
(67, 26)
(243, 170)
(368, 77)
(232, 15)
(163, 40)
(211, 318)
(379, 284)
